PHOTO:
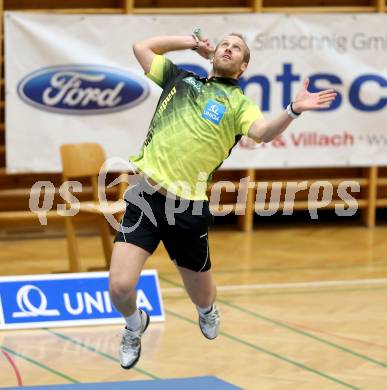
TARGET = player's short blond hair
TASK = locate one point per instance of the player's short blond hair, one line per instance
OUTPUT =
(246, 51)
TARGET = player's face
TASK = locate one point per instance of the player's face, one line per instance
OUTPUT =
(228, 58)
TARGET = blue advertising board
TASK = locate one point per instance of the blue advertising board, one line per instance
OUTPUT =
(35, 301)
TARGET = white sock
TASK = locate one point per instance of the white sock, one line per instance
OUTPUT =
(133, 322)
(204, 310)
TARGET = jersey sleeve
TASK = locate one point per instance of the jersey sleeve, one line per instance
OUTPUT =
(162, 70)
(247, 113)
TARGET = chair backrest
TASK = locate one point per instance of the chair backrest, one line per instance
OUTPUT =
(83, 160)
(80, 160)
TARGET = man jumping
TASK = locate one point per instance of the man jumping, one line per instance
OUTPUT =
(196, 124)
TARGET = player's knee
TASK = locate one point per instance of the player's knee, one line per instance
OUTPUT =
(120, 289)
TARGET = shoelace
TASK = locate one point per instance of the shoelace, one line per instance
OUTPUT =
(129, 341)
(211, 317)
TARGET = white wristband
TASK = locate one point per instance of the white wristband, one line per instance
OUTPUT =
(291, 113)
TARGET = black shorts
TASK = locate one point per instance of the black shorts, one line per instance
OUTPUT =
(180, 224)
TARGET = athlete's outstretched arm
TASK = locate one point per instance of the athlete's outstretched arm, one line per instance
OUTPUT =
(266, 131)
(146, 50)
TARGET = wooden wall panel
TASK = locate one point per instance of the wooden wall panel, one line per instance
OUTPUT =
(316, 3)
(307, 173)
(49, 4)
(190, 3)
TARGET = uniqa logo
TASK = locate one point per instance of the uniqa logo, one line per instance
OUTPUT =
(82, 89)
(27, 308)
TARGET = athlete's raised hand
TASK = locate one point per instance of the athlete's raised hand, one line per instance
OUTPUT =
(205, 49)
(306, 100)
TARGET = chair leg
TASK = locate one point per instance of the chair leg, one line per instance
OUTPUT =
(107, 241)
(72, 247)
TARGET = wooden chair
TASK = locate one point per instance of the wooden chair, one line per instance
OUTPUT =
(80, 161)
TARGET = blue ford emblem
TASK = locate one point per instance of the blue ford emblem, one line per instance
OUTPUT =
(82, 89)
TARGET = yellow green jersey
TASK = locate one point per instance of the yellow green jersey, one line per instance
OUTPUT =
(196, 124)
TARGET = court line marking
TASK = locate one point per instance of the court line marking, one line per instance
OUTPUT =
(304, 333)
(381, 264)
(316, 283)
(365, 342)
(12, 362)
(294, 329)
(256, 347)
(309, 292)
(249, 293)
(36, 363)
(268, 352)
(92, 349)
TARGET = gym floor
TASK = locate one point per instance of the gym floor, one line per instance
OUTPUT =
(302, 307)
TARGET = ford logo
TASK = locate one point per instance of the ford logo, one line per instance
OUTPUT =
(82, 89)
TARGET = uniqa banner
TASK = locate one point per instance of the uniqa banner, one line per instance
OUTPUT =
(34, 301)
(74, 78)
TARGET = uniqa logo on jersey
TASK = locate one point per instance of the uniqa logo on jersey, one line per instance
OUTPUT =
(82, 89)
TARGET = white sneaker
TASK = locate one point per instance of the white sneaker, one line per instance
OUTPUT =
(209, 323)
(130, 347)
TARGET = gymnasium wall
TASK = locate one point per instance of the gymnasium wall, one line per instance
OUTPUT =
(14, 189)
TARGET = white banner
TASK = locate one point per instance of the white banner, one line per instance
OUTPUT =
(74, 78)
